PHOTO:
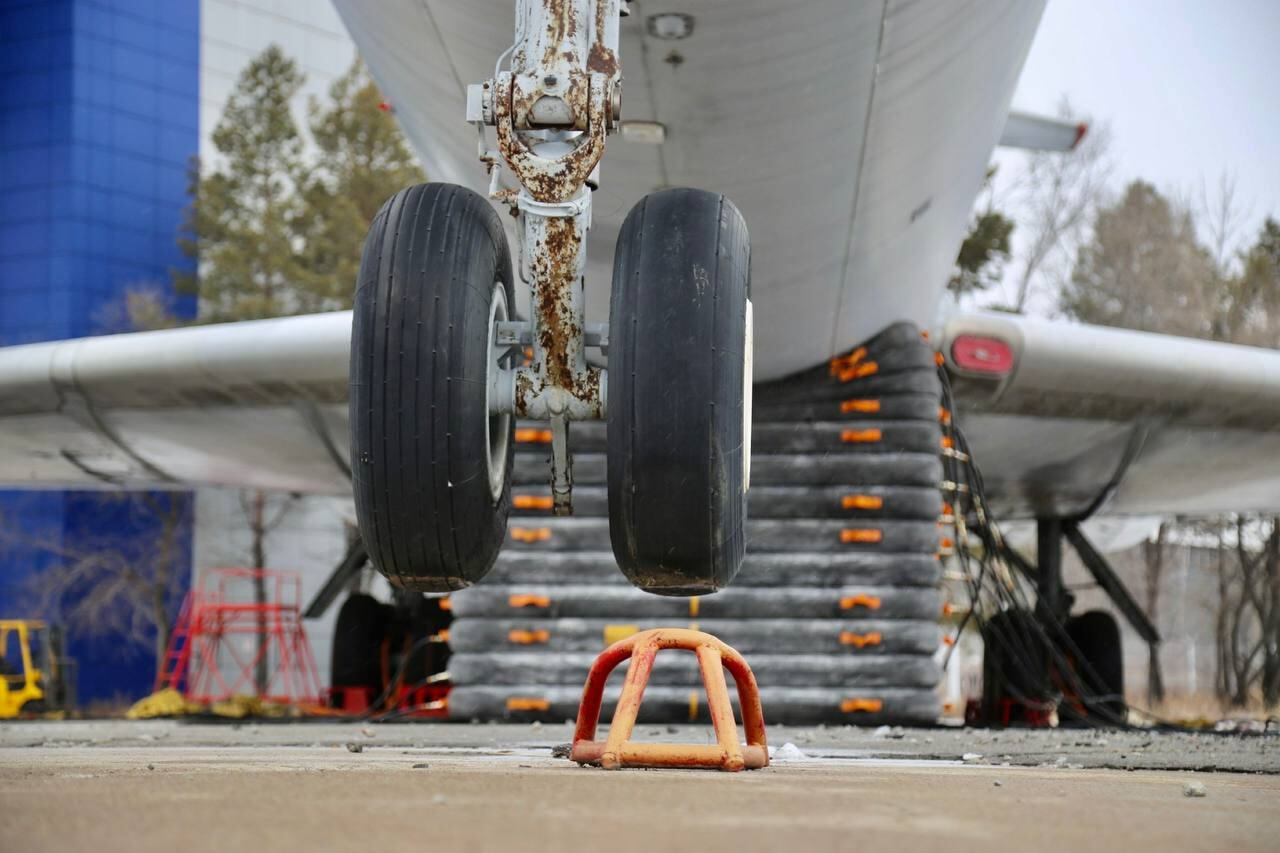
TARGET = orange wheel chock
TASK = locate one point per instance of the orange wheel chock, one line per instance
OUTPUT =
(713, 656)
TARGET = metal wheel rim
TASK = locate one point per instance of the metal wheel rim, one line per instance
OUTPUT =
(497, 428)
(747, 368)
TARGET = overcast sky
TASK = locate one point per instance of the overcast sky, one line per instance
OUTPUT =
(1190, 88)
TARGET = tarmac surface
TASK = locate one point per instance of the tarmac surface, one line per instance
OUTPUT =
(166, 785)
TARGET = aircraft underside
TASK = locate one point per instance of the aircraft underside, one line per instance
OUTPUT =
(852, 136)
(698, 357)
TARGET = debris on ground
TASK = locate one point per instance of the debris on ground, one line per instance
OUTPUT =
(971, 757)
(1194, 789)
(561, 750)
(368, 732)
(787, 752)
(422, 765)
(168, 702)
(355, 747)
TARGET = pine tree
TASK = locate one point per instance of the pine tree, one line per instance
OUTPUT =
(1251, 310)
(246, 223)
(363, 160)
(985, 248)
(1143, 269)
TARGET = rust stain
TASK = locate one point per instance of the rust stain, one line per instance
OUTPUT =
(551, 180)
(602, 60)
(525, 392)
(560, 17)
(559, 264)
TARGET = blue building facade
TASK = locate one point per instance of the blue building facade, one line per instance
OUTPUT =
(99, 120)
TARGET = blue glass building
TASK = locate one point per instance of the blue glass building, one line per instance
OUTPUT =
(99, 119)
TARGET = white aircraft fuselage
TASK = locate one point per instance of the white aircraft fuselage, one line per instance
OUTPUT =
(852, 134)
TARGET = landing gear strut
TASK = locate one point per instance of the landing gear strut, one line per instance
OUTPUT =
(1034, 661)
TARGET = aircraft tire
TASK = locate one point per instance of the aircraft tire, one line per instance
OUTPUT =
(358, 634)
(1099, 668)
(679, 372)
(430, 467)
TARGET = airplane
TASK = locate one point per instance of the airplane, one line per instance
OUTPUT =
(716, 238)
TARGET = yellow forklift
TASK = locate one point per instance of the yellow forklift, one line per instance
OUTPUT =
(35, 675)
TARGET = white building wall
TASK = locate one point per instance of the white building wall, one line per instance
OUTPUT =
(311, 537)
(232, 32)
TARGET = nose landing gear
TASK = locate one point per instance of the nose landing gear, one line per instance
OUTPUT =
(435, 392)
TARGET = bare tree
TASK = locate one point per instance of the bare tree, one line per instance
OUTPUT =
(1260, 590)
(262, 520)
(1247, 609)
(1221, 218)
(100, 584)
(1153, 552)
(1060, 193)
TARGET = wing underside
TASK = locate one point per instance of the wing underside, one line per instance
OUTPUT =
(1112, 421)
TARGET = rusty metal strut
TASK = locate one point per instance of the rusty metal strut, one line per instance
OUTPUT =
(713, 657)
(551, 112)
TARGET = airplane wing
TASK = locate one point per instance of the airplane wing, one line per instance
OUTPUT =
(1063, 419)
(1066, 420)
(259, 404)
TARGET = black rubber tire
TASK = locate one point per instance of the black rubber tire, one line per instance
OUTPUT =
(362, 626)
(1015, 675)
(1099, 667)
(419, 347)
(678, 314)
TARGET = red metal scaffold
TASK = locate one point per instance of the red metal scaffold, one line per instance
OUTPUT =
(224, 637)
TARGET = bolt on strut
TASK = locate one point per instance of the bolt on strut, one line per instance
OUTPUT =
(551, 111)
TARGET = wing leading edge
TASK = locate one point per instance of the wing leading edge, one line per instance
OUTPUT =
(259, 404)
